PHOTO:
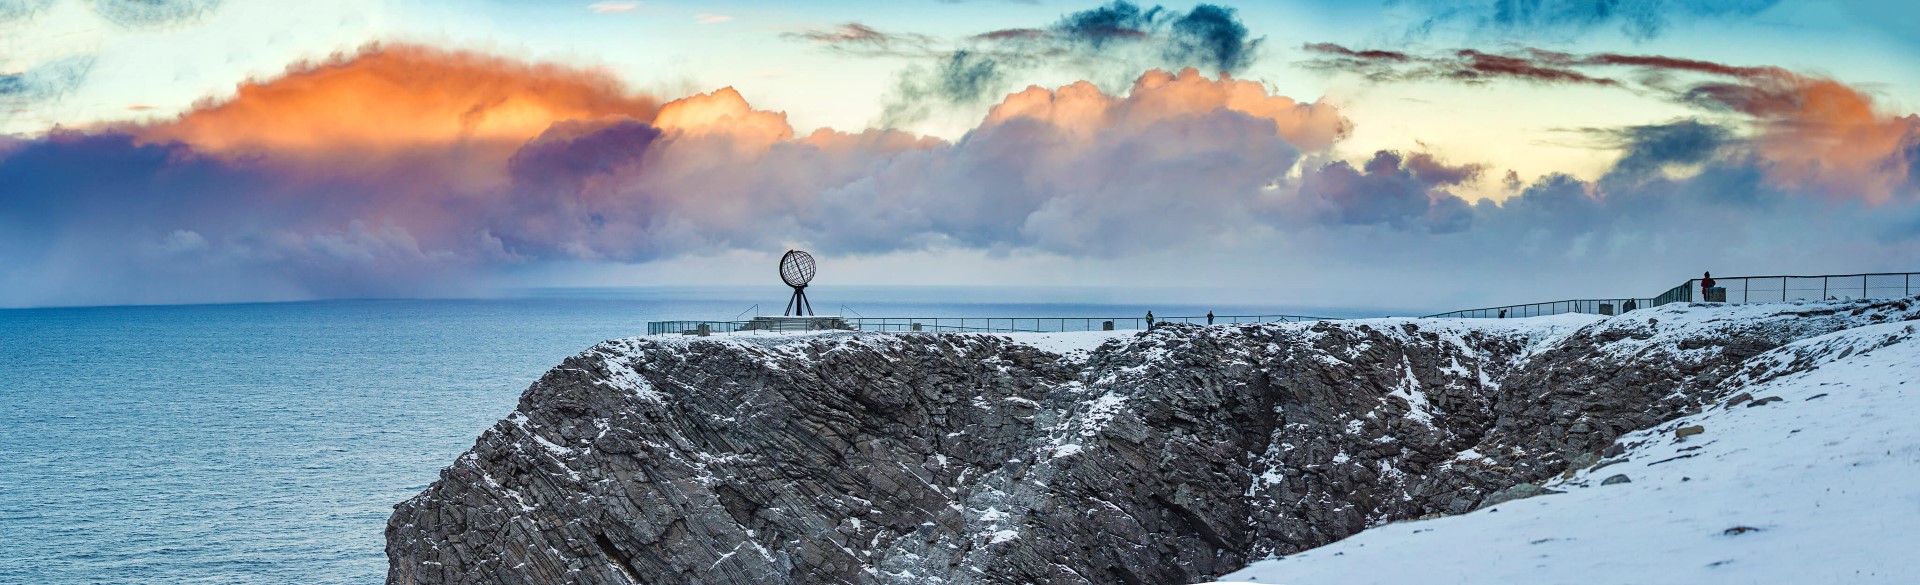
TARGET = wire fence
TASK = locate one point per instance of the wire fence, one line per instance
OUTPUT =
(1737, 289)
(960, 324)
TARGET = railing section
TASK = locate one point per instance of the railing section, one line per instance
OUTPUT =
(1740, 289)
(981, 324)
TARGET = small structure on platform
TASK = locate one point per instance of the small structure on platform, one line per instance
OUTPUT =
(797, 269)
(797, 323)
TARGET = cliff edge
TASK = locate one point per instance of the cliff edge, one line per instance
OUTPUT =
(1169, 456)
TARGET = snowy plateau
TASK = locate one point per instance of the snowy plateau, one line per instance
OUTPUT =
(1687, 443)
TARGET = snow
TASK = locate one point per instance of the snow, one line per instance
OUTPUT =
(1069, 343)
(1817, 487)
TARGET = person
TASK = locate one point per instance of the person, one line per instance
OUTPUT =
(1149, 319)
(1628, 306)
(1706, 282)
(1209, 317)
(1503, 313)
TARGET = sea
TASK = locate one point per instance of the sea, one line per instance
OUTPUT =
(267, 443)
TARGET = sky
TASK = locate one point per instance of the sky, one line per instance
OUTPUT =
(1393, 154)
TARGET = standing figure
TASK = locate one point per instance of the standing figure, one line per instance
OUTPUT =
(1149, 319)
(1706, 282)
(1209, 317)
(1503, 313)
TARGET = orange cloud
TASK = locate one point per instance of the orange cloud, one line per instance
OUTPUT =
(1820, 132)
(1084, 110)
(725, 112)
(389, 98)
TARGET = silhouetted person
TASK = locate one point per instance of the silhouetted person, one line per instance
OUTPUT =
(1149, 319)
(1706, 282)
(1628, 306)
(1209, 317)
(1503, 313)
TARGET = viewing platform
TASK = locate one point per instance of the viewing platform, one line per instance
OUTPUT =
(1731, 289)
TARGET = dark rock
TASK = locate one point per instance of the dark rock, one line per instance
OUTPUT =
(1518, 492)
(1616, 478)
(1738, 530)
(1767, 400)
(1683, 432)
(1169, 456)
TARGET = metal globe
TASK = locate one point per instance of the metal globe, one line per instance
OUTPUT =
(796, 268)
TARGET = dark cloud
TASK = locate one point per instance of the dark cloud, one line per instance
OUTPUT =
(1392, 190)
(1638, 19)
(571, 152)
(860, 39)
(1213, 37)
(1652, 148)
(1465, 65)
(1370, 55)
(1475, 66)
(1209, 37)
(960, 77)
(1109, 44)
(44, 82)
(138, 14)
(12, 10)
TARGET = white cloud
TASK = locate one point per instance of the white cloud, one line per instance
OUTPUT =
(612, 7)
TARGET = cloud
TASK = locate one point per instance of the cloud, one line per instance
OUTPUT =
(140, 14)
(1637, 19)
(388, 109)
(342, 179)
(1817, 132)
(1109, 44)
(710, 18)
(1390, 190)
(1653, 148)
(43, 83)
(12, 10)
(1465, 65)
(860, 39)
(612, 7)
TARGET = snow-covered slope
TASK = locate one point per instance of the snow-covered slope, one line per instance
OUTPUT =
(1809, 472)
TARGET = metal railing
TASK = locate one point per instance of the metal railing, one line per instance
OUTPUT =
(1774, 289)
(1740, 289)
(981, 324)
(1589, 306)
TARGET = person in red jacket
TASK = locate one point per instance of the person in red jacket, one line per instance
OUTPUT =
(1706, 282)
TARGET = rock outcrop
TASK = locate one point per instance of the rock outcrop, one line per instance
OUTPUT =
(1167, 456)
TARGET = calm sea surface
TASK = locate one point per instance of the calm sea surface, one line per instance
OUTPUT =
(267, 443)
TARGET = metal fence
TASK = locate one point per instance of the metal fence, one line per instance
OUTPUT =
(1589, 306)
(1740, 289)
(1774, 289)
(981, 324)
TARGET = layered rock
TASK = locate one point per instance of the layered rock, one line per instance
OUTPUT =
(1160, 457)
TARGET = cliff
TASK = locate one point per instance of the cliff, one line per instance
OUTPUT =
(1167, 456)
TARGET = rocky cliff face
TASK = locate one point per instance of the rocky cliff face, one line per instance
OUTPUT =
(1162, 457)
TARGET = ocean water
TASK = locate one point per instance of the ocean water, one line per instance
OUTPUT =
(267, 443)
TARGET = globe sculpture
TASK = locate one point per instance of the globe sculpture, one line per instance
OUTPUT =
(796, 269)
